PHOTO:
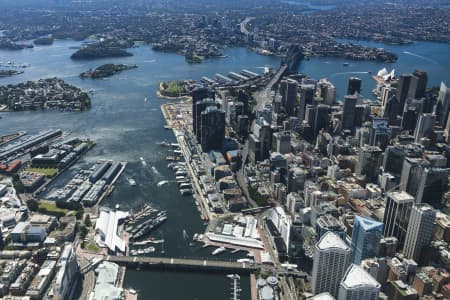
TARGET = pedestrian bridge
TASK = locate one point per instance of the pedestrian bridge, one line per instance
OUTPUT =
(186, 264)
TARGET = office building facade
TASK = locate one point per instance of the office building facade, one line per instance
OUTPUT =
(366, 237)
(396, 215)
(420, 230)
(331, 259)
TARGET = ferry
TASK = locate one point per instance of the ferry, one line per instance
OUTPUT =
(162, 182)
(186, 192)
(149, 250)
(185, 185)
(218, 251)
(132, 182)
(245, 260)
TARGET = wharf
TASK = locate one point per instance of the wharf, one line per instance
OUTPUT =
(8, 138)
(177, 130)
(48, 181)
(111, 185)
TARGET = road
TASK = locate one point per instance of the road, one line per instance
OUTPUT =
(88, 280)
(263, 96)
(244, 25)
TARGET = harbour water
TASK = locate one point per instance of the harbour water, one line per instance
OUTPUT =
(430, 57)
(125, 128)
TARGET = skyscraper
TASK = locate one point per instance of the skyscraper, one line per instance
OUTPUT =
(432, 186)
(422, 82)
(199, 94)
(357, 284)
(289, 100)
(200, 106)
(413, 108)
(395, 155)
(411, 175)
(396, 215)
(386, 93)
(331, 259)
(407, 85)
(354, 86)
(419, 231)
(212, 127)
(68, 274)
(366, 237)
(326, 91)
(307, 92)
(443, 105)
(369, 162)
(425, 126)
(348, 115)
(321, 118)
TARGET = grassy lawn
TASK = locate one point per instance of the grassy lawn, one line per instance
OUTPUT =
(92, 247)
(173, 87)
(51, 207)
(49, 172)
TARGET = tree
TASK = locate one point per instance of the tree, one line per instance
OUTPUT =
(17, 183)
(83, 232)
(87, 221)
(79, 214)
(33, 205)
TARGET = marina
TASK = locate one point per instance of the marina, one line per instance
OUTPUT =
(142, 223)
(90, 186)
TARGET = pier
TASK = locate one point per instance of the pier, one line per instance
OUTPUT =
(165, 263)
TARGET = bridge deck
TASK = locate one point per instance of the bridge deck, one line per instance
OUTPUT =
(180, 263)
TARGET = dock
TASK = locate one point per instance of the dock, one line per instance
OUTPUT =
(111, 185)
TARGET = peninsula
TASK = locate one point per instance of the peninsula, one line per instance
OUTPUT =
(51, 93)
(44, 41)
(175, 90)
(94, 52)
(7, 73)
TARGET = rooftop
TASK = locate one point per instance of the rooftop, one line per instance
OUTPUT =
(401, 196)
(356, 277)
(368, 224)
(330, 240)
(322, 296)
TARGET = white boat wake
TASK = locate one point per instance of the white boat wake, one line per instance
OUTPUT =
(344, 73)
(422, 57)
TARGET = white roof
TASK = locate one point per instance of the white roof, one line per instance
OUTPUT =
(356, 277)
(331, 241)
(382, 72)
(322, 296)
(107, 224)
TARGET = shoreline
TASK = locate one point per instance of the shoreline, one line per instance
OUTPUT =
(180, 98)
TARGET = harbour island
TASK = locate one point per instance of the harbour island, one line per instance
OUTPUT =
(106, 70)
(94, 52)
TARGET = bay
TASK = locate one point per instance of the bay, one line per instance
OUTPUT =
(126, 128)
